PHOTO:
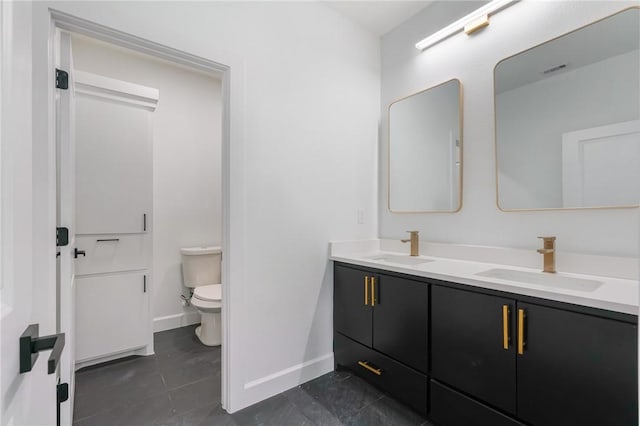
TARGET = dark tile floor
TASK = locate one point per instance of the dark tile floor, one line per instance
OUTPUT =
(180, 386)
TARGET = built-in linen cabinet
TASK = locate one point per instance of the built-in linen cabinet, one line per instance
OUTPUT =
(543, 365)
(381, 331)
(113, 210)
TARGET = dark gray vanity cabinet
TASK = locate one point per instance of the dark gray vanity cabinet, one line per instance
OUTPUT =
(381, 331)
(467, 356)
(544, 365)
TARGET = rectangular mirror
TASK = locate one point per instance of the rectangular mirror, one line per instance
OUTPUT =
(425, 150)
(567, 116)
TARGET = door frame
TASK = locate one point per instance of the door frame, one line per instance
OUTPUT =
(231, 71)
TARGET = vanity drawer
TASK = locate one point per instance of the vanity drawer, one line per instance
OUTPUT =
(451, 408)
(404, 383)
(111, 253)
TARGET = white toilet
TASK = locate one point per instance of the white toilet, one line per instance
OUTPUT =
(201, 273)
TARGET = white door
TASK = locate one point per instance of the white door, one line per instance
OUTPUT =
(26, 398)
(600, 166)
(65, 189)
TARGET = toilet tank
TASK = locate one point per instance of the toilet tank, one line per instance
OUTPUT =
(201, 265)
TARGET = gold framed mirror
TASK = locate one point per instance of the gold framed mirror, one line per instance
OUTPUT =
(567, 120)
(425, 150)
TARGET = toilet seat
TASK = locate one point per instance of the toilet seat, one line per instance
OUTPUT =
(208, 293)
(208, 298)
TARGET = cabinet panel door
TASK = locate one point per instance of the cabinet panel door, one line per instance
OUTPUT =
(112, 314)
(467, 349)
(113, 166)
(400, 320)
(351, 316)
(577, 369)
(451, 408)
(402, 382)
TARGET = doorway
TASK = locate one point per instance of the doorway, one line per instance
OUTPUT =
(200, 66)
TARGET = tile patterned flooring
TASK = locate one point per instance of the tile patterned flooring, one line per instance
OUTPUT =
(180, 386)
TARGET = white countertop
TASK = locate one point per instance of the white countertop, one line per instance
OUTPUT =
(615, 294)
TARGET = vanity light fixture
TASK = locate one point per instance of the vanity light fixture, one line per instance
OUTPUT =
(470, 23)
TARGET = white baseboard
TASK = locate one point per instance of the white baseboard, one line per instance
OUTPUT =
(175, 321)
(280, 381)
(144, 351)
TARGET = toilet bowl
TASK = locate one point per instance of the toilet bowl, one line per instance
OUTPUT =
(201, 273)
(208, 300)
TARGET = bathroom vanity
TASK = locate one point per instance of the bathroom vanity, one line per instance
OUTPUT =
(469, 348)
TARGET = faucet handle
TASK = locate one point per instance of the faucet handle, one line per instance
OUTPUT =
(552, 238)
(413, 232)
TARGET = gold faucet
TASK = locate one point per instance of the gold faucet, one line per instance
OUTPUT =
(548, 251)
(415, 251)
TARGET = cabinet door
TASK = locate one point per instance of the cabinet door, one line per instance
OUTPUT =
(467, 345)
(577, 369)
(352, 307)
(113, 166)
(112, 314)
(400, 320)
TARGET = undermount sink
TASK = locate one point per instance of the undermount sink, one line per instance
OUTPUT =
(541, 278)
(400, 259)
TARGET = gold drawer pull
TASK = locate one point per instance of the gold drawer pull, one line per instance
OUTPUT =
(375, 371)
(366, 290)
(373, 291)
(521, 316)
(505, 327)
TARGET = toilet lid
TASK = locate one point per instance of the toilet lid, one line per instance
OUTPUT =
(208, 293)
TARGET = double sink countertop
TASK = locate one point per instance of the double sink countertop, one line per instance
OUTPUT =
(597, 291)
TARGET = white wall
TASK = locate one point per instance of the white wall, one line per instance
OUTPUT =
(305, 107)
(532, 119)
(187, 185)
(405, 70)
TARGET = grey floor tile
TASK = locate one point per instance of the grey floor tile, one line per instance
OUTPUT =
(179, 369)
(142, 413)
(134, 390)
(386, 411)
(122, 373)
(196, 395)
(343, 398)
(180, 386)
(311, 408)
(211, 415)
(177, 339)
(339, 374)
(275, 411)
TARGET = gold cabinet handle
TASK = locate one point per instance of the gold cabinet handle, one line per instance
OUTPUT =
(505, 327)
(375, 371)
(373, 291)
(366, 290)
(521, 316)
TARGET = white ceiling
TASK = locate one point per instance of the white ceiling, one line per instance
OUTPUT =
(379, 17)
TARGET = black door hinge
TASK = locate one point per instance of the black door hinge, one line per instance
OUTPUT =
(62, 79)
(62, 394)
(62, 237)
(62, 391)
